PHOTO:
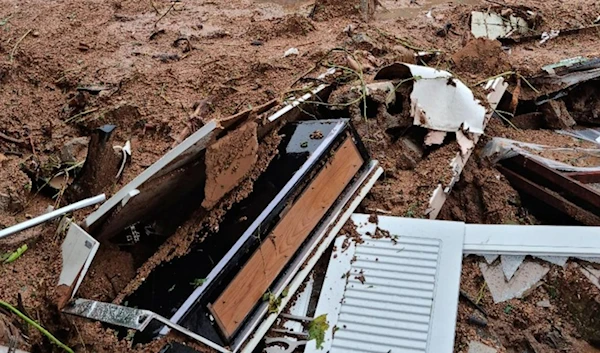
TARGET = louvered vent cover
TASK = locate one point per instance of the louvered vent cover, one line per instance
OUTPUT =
(393, 292)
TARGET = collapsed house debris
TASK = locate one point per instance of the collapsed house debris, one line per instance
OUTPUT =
(236, 239)
(321, 166)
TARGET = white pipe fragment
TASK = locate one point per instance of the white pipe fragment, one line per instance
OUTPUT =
(51, 215)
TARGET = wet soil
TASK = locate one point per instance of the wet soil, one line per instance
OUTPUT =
(68, 67)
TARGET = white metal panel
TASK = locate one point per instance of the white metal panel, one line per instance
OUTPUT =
(569, 241)
(396, 294)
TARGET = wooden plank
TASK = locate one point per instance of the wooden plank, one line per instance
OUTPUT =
(585, 177)
(550, 198)
(255, 278)
(559, 181)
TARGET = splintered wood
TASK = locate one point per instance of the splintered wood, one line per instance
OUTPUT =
(254, 279)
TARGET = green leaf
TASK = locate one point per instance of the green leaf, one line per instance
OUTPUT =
(317, 328)
(198, 282)
(15, 255)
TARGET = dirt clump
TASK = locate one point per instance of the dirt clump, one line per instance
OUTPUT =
(291, 26)
(482, 58)
(228, 161)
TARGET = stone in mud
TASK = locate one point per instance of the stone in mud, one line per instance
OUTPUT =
(74, 150)
(14, 185)
(228, 161)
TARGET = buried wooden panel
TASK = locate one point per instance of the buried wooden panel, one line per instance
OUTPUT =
(562, 182)
(585, 177)
(254, 279)
(550, 198)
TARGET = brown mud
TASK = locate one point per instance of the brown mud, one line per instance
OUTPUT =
(159, 70)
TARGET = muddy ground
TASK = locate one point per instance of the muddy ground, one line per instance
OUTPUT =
(67, 67)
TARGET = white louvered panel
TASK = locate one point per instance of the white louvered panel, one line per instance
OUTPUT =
(381, 294)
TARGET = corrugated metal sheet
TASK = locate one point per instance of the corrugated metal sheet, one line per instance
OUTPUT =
(396, 294)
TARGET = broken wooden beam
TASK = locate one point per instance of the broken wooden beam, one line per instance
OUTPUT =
(550, 198)
(585, 177)
(557, 181)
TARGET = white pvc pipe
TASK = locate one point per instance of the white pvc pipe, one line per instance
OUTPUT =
(4, 349)
(51, 215)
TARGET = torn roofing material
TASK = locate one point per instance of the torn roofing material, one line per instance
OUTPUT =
(502, 148)
(397, 293)
(438, 100)
(496, 89)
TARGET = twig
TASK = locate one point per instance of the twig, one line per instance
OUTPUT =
(499, 113)
(168, 10)
(36, 325)
(12, 53)
(80, 115)
(11, 139)
(154, 7)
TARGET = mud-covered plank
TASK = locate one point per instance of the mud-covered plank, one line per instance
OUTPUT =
(249, 285)
(559, 181)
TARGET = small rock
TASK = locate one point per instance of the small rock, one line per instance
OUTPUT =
(74, 150)
(291, 51)
(477, 347)
(257, 43)
(35, 34)
(477, 321)
(544, 303)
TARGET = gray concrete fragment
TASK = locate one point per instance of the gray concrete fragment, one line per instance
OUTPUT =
(510, 264)
(595, 260)
(523, 282)
(478, 347)
(490, 258)
(544, 303)
(592, 274)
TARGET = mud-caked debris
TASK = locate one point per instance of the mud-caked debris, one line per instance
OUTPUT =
(74, 150)
(556, 115)
(100, 169)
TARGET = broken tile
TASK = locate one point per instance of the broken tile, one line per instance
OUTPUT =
(434, 137)
(595, 260)
(492, 26)
(478, 347)
(592, 274)
(557, 260)
(524, 280)
(510, 264)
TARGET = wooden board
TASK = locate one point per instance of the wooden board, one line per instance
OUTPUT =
(255, 278)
